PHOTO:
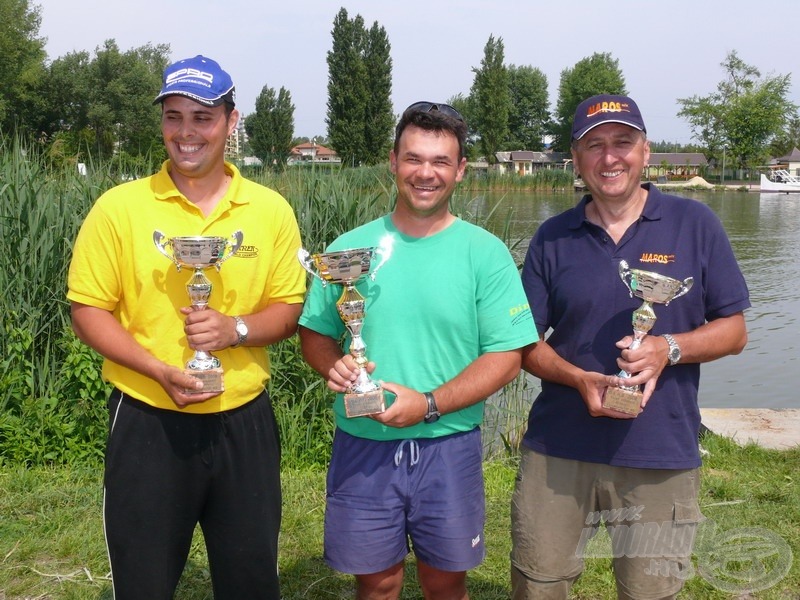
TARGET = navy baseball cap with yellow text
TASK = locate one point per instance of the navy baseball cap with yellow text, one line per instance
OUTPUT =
(605, 108)
(201, 79)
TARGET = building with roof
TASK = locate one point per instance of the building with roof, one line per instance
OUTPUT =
(311, 152)
(525, 162)
(790, 162)
(675, 165)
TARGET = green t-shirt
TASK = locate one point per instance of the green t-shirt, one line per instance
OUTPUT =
(436, 305)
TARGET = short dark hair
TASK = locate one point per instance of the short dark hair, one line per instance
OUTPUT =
(432, 119)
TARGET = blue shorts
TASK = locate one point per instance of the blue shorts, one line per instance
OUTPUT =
(380, 494)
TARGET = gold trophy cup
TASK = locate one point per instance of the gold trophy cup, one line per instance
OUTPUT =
(650, 287)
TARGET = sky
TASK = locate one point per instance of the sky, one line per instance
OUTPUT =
(666, 50)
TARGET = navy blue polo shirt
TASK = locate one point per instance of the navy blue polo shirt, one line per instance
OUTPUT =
(571, 278)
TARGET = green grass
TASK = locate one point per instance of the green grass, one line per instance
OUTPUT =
(51, 541)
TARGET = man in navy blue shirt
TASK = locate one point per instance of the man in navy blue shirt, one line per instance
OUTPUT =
(584, 464)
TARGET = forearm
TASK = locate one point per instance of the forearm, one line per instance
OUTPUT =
(320, 351)
(713, 340)
(271, 325)
(541, 360)
(480, 379)
(99, 329)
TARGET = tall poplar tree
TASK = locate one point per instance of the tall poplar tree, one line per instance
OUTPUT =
(379, 117)
(597, 74)
(491, 99)
(271, 127)
(359, 116)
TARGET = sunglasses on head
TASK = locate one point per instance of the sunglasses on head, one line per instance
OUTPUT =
(445, 109)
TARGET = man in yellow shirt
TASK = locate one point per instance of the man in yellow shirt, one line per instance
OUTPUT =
(178, 455)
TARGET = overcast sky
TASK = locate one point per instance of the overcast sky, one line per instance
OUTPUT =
(666, 50)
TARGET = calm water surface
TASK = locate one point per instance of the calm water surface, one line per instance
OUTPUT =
(764, 230)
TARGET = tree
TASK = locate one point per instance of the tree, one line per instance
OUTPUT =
(597, 74)
(788, 139)
(529, 117)
(379, 116)
(271, 127)
(492, 99)
(360, 116)
(347, 89)
(744, 116)
(105, 104)
(465, 105)
(22, 59)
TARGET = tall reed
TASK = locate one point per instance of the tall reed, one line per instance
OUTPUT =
(41, 210)
(52, 399)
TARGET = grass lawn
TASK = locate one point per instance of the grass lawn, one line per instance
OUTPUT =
(51, 540)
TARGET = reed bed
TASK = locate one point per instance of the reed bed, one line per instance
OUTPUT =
(52, 399)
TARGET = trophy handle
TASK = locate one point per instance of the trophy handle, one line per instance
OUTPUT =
(161, 242)
(625, 274)
(306, 260)
(384, 250)
(234, 242)
(685, 287)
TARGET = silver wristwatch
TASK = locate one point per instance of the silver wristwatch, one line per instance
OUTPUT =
(241, 330)
(674, 354)
(433, 413)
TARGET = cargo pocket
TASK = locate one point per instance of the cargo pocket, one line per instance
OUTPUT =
(686, 518)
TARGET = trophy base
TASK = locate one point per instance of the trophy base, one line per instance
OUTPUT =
(624, 401)
(365, 403)
(211, 378)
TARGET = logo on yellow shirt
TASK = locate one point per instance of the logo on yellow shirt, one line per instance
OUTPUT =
(247, 252)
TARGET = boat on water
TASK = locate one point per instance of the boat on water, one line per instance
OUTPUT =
(780, 180)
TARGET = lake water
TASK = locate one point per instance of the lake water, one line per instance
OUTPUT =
(764, 230)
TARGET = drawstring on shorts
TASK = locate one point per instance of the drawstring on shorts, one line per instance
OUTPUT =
(413, 453)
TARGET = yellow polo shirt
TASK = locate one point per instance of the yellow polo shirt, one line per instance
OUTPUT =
(117, 267)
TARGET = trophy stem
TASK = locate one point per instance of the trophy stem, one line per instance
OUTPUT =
(628, 399)
(203, 365)
(644, 318)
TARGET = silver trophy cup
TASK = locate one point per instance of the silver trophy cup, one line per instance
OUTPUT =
(651, 288)
(200, 253)
(346, 267)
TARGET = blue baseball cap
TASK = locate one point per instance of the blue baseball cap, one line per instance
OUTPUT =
(605, 108)
(200, 79)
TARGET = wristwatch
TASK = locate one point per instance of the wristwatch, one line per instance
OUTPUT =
(674, 354)
(433, 413)
(241, 331)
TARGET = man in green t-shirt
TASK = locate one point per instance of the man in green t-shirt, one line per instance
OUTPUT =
(446, 320)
